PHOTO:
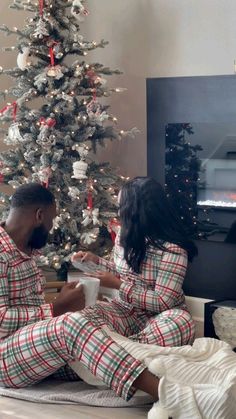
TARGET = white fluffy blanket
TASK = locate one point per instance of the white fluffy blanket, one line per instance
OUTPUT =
(197, 381)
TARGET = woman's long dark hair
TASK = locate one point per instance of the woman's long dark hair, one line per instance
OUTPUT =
(147, 218)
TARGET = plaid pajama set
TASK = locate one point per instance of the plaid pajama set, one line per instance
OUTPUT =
(34, 344)
(150, 307)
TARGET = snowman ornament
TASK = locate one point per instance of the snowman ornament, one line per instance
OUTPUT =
(14, 136)
(80, 169)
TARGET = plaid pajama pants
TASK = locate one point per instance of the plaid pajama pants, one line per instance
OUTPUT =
(36, 351)
(173, 327)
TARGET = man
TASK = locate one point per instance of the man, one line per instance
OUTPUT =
(37, 339)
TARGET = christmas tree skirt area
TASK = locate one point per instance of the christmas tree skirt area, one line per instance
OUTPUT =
(76, 399)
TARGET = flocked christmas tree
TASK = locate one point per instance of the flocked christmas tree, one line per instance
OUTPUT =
(50, 140)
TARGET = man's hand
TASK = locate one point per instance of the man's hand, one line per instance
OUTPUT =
(107, 279)
(69, 299)
(85, 257)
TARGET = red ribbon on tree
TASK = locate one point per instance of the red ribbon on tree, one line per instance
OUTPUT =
(85, 12)
(7, 107)
(90, 200)
(46, 173)
(52, 58)
(50, 122)
(113, 227)
(41, 7)
(51, 53)
(90, 196)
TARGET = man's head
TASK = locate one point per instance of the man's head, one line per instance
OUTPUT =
(35, 207)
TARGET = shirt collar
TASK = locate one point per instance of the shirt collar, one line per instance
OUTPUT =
(10, 246)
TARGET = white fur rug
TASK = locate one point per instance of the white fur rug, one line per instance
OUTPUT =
(76, 392)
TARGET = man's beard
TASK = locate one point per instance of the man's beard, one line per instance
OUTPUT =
(39, 238)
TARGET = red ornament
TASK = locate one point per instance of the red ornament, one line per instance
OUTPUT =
(41, 7)
(51, 52)
(113, 227)
(50, 122)
(6, 108)
(90, 200)
(90, 195)
(1, 178)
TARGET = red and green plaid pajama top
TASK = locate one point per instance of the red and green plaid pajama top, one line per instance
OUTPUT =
(150, 307)
(34, 345)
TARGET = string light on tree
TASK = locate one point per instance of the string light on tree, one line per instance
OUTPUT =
(51, 140)
(182, 173)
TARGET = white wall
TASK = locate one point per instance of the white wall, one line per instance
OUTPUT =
(151, 38)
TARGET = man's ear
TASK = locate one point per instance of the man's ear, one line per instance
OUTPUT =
(39, 216)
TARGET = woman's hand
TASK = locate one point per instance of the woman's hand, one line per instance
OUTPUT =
(85, 257)
(107, 279)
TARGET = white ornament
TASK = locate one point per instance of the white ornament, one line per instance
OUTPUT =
(45, 139)
(55, 72)
(78, 10)
(41, 29)
(23, 58)
(14, 136)
(90, 237)
(83, 152)
(90, 216)
(80, 169)
(43, 132)
(74, 192)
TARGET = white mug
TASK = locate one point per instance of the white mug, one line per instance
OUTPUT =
(91, 288)
(74, 276)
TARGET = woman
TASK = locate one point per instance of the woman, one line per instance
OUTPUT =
(148, 268)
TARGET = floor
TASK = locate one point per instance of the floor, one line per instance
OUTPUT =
(18, 409)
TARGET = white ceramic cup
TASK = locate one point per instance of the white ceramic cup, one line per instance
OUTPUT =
(91, 288)
(74, 276)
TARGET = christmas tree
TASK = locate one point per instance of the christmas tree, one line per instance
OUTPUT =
(50, 141)
(182, 173)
